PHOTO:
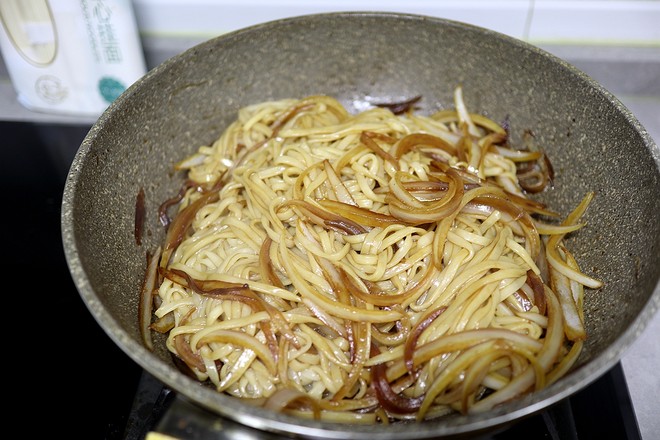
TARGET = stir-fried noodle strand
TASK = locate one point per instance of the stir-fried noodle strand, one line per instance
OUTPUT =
(369, 267)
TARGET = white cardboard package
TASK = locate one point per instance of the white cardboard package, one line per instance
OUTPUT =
(70, 56)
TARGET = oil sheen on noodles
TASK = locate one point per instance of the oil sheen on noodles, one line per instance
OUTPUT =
(368, 267)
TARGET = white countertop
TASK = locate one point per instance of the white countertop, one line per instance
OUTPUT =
(641, 364)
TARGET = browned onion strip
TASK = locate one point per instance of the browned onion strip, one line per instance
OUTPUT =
(415, 333)
(426, 190)
(359, 355)
(401, 107)
(552, 254)
(210, 288)
(145, 305)
(193, 360)
(464, 146)
(380, 136)
(358, 215)
(535, 176)
(178, 228)
(266, 266)
(518, 155)
(536, 283)
(486, 144)
(139, 217)
(497, 203)
(404, 206)
(415, 140)
(388, 399)
(368, 142)
(573, 325)
(389, 338)
(467, 176)
(440, 238)
(430, 196)
(426, 186)
(533, 181)
(551, 229)
(327, 219)
(549, 168)
(285, 398)
(344, 226)
(162, 209)
(529, 205)
(487, 123)
(163, 324)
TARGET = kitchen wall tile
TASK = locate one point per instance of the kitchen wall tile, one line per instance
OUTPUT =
(209, 18)
(595, 22)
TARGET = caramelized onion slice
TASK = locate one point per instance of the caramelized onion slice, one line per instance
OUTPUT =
(416, 140)
(415, 333)
(145, 305)
(573, 325)
(185, 353)
(265, 264)
(327, 219)
(177, 230)
(536, 283)
(289, 398)
(163, 324)
(139, 217)
(400, 107)
(370, 143)
(358, 215)
(407, 208)
(552, 253)
(387, 397)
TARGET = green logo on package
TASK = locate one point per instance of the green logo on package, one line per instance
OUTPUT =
(110, 88)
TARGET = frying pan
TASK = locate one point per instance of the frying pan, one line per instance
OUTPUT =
(593, 141)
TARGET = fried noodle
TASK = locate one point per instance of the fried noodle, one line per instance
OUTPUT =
(368, 267)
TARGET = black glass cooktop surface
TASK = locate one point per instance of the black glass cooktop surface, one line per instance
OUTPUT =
(83, 384)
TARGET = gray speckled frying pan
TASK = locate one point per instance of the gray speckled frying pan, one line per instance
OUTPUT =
(593, 141)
